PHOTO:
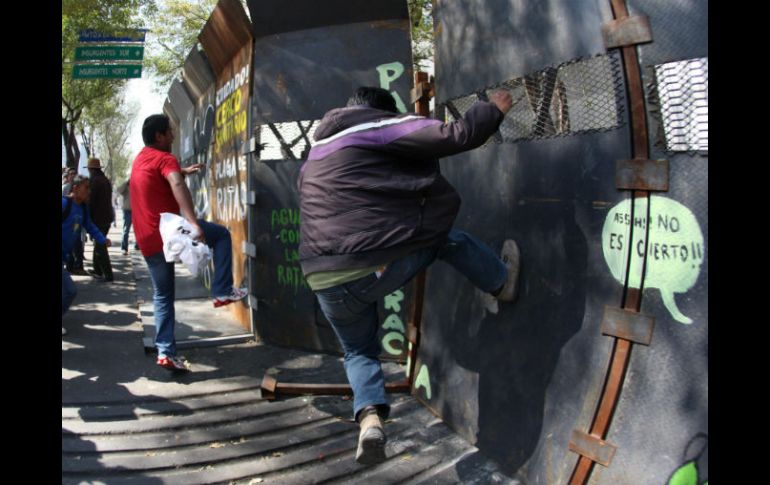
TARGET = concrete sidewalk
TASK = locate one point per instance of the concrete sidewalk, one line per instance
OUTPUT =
(124, 419)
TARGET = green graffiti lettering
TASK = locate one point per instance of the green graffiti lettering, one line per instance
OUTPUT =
(393, 322)
(399, 102)
(423, 380)
(281, 275)
(387, 343)
(674, 248)
(389, 73)
(686, 475)
(393, 301)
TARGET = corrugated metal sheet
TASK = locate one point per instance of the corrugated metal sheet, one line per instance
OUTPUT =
(225, 33)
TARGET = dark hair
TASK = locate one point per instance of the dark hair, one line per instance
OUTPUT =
(377, 98)
(152, 125)
(79, 179)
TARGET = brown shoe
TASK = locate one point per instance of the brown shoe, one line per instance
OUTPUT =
(372, 439)
(510, 256)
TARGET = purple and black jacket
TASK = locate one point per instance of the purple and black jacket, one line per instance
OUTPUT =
(371, 190)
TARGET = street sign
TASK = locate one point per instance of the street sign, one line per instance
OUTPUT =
(109, 53)
(130, 35)
(112, 71)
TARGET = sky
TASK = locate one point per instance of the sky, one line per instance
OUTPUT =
(150, 103)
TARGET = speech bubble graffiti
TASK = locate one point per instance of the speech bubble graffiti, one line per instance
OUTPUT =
(674, 253)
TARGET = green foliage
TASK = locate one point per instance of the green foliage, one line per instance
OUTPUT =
(111, 121)
(421, 17)
(174, 29)
(109, 16)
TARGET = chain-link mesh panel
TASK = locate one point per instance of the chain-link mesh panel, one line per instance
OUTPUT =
(678, 99)
(286, 141)
(583, 95)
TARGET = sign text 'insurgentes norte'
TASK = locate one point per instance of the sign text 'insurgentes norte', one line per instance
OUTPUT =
(109, 53)
(114, 71)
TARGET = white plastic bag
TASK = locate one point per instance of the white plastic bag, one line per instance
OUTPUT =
(179, 245)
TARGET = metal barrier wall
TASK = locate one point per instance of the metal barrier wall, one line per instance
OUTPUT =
(599, 370)
(309, 66)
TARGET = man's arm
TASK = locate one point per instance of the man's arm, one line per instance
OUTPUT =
(444, 139)
(184, 199)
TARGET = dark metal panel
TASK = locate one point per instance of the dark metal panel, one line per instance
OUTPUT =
(287, 310)
(661, 423)
(183, 106)
(480, 42)
(226, 31)
(518, 382)
(197, 73)
(301, 75)
(679, 29)
(203, 136)
(272, 16)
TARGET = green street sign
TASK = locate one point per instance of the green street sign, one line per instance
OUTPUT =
(109, 53)
(112, 71)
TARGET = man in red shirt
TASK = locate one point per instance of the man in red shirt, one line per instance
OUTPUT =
(157, 185)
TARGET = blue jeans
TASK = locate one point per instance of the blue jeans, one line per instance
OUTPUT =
(351, 308)
(162, 275)
(126, 229)
(68, 290)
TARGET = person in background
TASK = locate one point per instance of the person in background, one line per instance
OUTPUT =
(74, 218)
(102, 214)
(76, 257)
(124, 190)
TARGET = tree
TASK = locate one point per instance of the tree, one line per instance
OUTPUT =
(106, 125)
(174, 29)
(109, 16)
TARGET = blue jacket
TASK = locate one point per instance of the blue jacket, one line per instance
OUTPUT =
(70, 227)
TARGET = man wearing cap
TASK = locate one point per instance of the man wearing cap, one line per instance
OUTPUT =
(102, 215)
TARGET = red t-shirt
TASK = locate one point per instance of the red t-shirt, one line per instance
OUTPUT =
(150, 195)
